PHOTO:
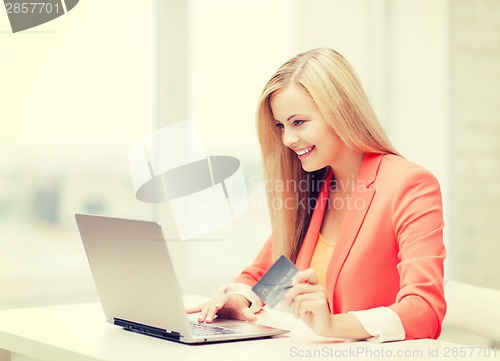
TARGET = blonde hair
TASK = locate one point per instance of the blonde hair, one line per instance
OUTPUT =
(333, 85)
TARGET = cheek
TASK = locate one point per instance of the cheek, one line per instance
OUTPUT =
(337, 145)
(335, 152)
(331, 152)
(332, 141)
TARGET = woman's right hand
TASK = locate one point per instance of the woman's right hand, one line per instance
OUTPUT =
(233, 306)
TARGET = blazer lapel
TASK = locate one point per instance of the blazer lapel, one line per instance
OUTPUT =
(359, 203)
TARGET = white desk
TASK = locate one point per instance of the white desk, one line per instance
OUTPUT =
(80, 332)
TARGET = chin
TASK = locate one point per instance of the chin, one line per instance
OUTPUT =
(309, 168)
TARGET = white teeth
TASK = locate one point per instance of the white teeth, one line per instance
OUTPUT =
(305, 151)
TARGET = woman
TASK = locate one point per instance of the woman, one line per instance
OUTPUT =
(364, 224)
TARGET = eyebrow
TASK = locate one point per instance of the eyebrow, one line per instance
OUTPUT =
(291, 116)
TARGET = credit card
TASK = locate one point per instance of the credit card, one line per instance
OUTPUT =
(274, 283)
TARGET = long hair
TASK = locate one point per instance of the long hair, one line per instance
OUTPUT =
(291, 193)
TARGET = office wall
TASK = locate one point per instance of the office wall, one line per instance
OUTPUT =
(416, 99)
(475, 134)
(74, 94)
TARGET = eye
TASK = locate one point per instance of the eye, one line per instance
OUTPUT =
(298, 122)
(279, 125)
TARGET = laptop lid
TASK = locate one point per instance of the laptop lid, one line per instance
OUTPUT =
(136, 281)
(133, 272)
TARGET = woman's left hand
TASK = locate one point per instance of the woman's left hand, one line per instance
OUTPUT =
(309, 303)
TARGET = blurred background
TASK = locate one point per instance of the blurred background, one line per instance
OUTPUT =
(77, 92)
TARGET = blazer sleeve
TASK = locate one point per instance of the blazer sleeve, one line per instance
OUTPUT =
(251, 274)
(418, 224)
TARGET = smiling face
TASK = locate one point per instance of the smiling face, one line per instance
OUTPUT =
(304, 129)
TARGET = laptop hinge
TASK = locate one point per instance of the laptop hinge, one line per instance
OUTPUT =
(147, 330)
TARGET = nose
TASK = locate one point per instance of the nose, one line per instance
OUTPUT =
(289, 137)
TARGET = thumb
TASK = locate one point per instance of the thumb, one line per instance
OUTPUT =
(248, 315)
(306, 276)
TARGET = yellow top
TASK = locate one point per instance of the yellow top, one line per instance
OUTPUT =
(321, 258)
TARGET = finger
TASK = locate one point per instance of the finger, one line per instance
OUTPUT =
(212, 311)
(203, 313)
(248, 315)
(309, 308)
(194, 309)
(214, 307)
(205, 308)
(302, 288)
(309, 303)
(297, 304)
(289, 296)
(306, 276)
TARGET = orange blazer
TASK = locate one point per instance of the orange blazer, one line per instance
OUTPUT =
(390, 249)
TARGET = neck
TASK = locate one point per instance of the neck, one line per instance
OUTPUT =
(346, 170)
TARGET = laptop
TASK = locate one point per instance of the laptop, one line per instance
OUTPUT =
(137, 286)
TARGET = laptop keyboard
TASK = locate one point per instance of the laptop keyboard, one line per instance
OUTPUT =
(203, 329)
